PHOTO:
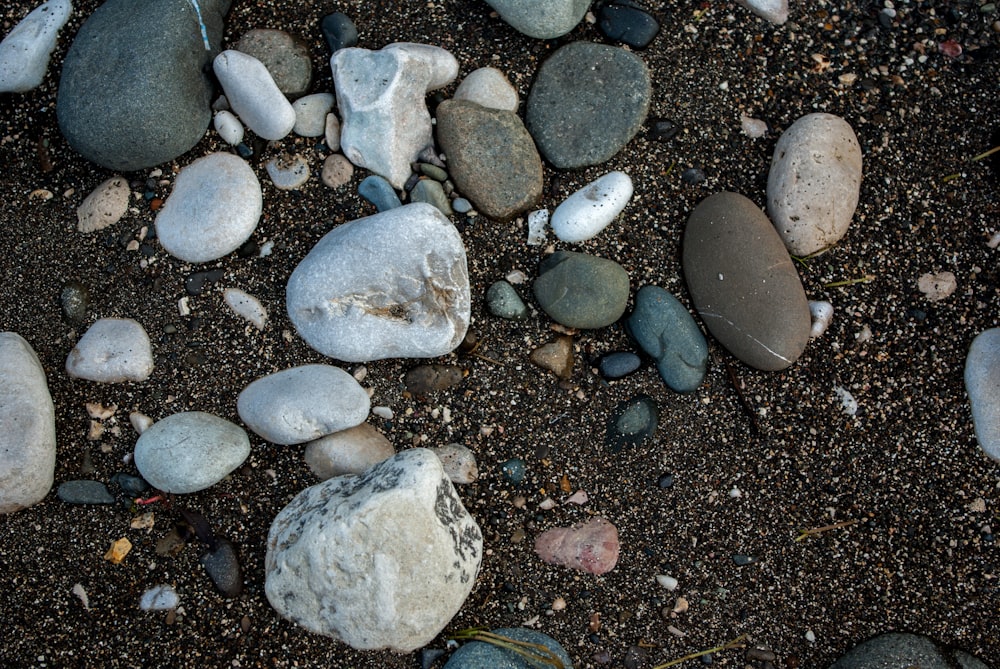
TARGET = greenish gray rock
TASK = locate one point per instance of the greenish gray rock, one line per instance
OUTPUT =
(285, 56)
(504, 302)
(632, 423)
(541, 20)
(431, 192)
(900, 650)
(664, 330)
(84, 492)
(583, 291)
(481, 655)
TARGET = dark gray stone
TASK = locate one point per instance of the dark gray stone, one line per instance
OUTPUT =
(482, 655)
(85, 492)
(632, 423)
(503, 301)
(285, 56)
(627, 22)
(579, 290)
(339, 31)
(424, 379)
(664, 330)
(379, 192)
(900, 650)
(223, 566)
(618, 364)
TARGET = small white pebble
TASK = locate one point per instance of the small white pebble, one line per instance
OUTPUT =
(753, 127)
(668, 582)
(579, 497)
(547, 504)
(266, 248)
(822, 315)
(159, 598)
(847, 401)
(140, 421)
(537, 222)
(994, 240)
(864, 335)
(183, 306)
(516, 277)
(735, 493)
(82, 594)
(246, 306)
(558, 604)
(810, 636)
(383, 412)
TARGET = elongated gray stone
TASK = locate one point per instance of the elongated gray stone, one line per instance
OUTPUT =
(541, 19)
(665, 330)
(982, 383)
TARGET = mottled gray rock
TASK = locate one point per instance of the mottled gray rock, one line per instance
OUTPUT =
(351, 451)
(481, 655)
(458, 461)
(112, 350)
(502, 300)
(85, 492)
(900, 650)
(392, 285)
(432, 193)
(25, 51)
(775, 11)
(381, 560)
(580, 290)
(105, 205)
(541, 20)
(285, 56)
(253, 95)
(743, 284)
(664, 330)
(982, 383)
(488, 87)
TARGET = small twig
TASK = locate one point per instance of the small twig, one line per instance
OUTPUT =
(951, 177)
(820, 530)
(867, 278)
(536, 654)
(984, 154)
(149, 500)
(741, 397)
(738, 642)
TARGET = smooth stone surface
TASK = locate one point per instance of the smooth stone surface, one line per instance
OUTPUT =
(775, 11)
(488, 87)
(25, 51)
(381, 560)
(331, 132)
(590, 547)
(664, 330)
(503, 301)
(627, 22)
(579, 290)
(105, 205)
(901, 650)
(222, 564)
(587, 102)
(458, 461)
(285, 56)
(246, 306)
(228, 126)
(491, 157)
(432, 193)
(288, 171)
(541, 20)
(303, 403)
(632, 423)
(743, 283)
(424, 379)
(351, 451)
(379, 192)
(555, 356)
(337, 171)
(84, 492)
(392, 285)
(253, 95)
(589, 210)
(618, 364)
(339, 31)
(814, 183)
(311, 112)
(190, 451)
(112, 350)
(982, 383)
(28, 440)
(481, 655)
(214, 207)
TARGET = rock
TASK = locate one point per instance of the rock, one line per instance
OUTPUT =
(311, 113)
(337, 171)
(665, 331)
(74, 300)
(228, 126)
(478, 654)
(627, 22)
(190, 451)
(459, 463)
(591, 547)
(246, 306)
(392, 285)
(587, 102)
(133, 486)
(432, 193)
(222, 565)
(579, 290)
(903, 650)
(541, 20)
(618, 364)
(555, 356)
(285, 56)
(752, 127)
(134, 91)
(513, 470)
(303, 403)
(254, 95)
(25, 51)
(28, 440)
(491, 157)
(425, 379)
(379, 192)
(589, 210)
(380, 95)
(213, 209)
(537, 222)
(504, 302)
(338, 31)
(331, 132)
(112, 350)
(632, 423)
(85, 492)
(821, 313)
(287, 171)
(401, 520)
(104, 206)
(937, 286)
(488, 87)
(159, 598)
(743, 284)
(775, 11)
(351, 451)
(814, 183)
(982, 383)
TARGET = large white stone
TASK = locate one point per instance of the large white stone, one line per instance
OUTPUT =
(25, 51)
(392, 285)
(589, 210)
(112, 350)
(488, 87)
(982, 383)
(28, 434)
(381, 560)
(253, 95)
(380, 95)
(303, 403)
(214, 207)
(351, 451)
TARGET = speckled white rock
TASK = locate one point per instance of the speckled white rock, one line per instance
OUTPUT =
(821, 312)
(214, 207)
(246, 306)
(228, 126)
(538, 223)
(458, 461)
(159, 598)
(589, 210)
(190, 451)
(351, 451)
(28, 437)
(25, 51)
(112, 350)
(937, 286)
(288, 171)
(775, 11)
(488, 87)
(310, 114)
(982, 383)
(105, 205)
(303, 403)
(814, 183)
(253, 95)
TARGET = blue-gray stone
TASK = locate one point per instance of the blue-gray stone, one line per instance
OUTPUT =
(982, 383)
(513, 470)
(627, 22)
(339, 31)
(632, 423)
(461, 205)
(85, 492)
(503, 301)
(618, 364)
(482, 655)
(664, 330)
(579, 290)
(900, 650)
(133, 486)
(379, 192)
(431, 192)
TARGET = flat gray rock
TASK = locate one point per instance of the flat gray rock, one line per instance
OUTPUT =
(541, 20)
(982, 383)
(900, 650)
(112, 350)
(351, 451)
(580, 290)
(666, 331)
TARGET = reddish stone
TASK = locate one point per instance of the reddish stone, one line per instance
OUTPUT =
(591, 547)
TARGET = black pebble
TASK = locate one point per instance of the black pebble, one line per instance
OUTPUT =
(618, 364)
(339, 31)
(223, 567)
(84, 492)
(133, 486)
(249, 249)
(663, 129)
(74, 298)
(632, 423)
(693, 176)
(428, 656)
(665, 481)
(196, 283)
(627, 22)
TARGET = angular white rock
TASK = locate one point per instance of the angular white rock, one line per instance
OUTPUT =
(458, 461)
(488, 87)
(537, 222)
(310, 114)
(822, 315)
(937, 287)
(104, 206)
(112, 350)
(982, 383)
(25, 51)
(159, 598)
(246, 306)
(351, 451)
(589, 210)
(228, 126)
(775, 11)
(753, 127)
(303, 403)
(288, 171)
(253, 95)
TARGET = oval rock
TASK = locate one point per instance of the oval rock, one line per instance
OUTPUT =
(579, 290)
(589, 210)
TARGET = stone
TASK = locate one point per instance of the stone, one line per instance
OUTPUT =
(627, 22)
(190, 451)
(379, 192)
(28, 440)
(303, 403)
(538, 221)
(381, 97)
(246, 306)
(134, 90)
(431, 192)
(743, 283)
(74, 301)
(424, 379)
(288, 171)
(331, 132)
(222, 565)
(392, 285)
(579, 290)
(228, 126)
(351, 451)
(105, 205)
(253, 94)
(337, 171)
(585, 213)
(982, 383)
(588, 101)
(556, 356)
(285, 56)
(159, 598)
(339, 31)
(775, 11)
(513, 470)
(27, 48)
(503, 301)
(821, 313)
(814, 183)
(85, 492)
(458, 461)
(311, 113)
(480, 655)
(667, 332)
(213, 209)
(380, 560)
(937, 286)
(904, 650)
(632, 423)
(112, 350)
(541, 20)
(618, 364)
(488, 87)
(591, 547)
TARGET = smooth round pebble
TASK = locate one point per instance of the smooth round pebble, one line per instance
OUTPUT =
(589, 210)
(627, 22)
(337, 171)
(74, 299)
(631, 423)
(488, 87)
(222, 565)
(513, 470)
(351, 451)
(159, 598)
(288, 171)
(246, 306)
(618, 364)
(503, 301)
(982, 383)
(311, 113)
(253, 95)
(331, 132)
(379, 192)
(339, 31)
(665, 330)
(112, 350)
(104, 206)
(579, 290)
(461, 205)
(228, 126)
(458, 461)
(424, 379)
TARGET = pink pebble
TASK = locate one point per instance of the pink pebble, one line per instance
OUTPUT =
(591, 547)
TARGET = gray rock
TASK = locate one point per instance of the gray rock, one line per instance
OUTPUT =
(587, 102)
(424, 379)
(431, 192)
(775, 11)
(28, 438)
(481, 655)
(982, 383)
(288, 171)
(392, 285)
(379, 192)
(112, 350)
(190, 451)
(580, 290)
(900, 650)
(381, 560)
(25, 51)
(541, 20)
(743, 283)
(222, 565)
(253, 95)
(311, 114)
(488, 87)
(285, 56)
(134, 90)
(458, 461)
(303, 403)
(85, 492)
(351, 451)
(491, 157)
(503, 301)
(632, 423)
(664, 330)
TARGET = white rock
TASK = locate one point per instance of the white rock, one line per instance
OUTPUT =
(848, 404)
(214, 207)
(159, 598)
(288, 171)
(28, 437)
(589, 210)
(982, 383)
(228, 126)
(331, 132)
(310, 114)
(253, 95)
(190, 451)
(351, 451)
(246, 306)
(937, 287)
(668, 582)
(303, 403)
(381, 560)
(112, 350)
(822, 315)
(775, 11)
(753, 127)
(104, 206)
(25, 51)
(488, 87)
(538, 221)
(140, 421)
(458, 461)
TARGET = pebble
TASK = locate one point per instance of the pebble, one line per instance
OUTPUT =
(585, 213)
(432, 171)
(84, 492)
(591, 547)
(479, 654)
(663, 129)
(743, 560)
(331, 132)
(693, 176)
(288, 171)
(112, 350)
(140, 422)
(432, 193)
(352, 451)
(159, 598)
(579, 290)
(425, 379)
(541, 20)
(537, 222)
(555, 356)
(503, 301)
(632, 423)
(133, 486)
(228, 126)
(752, 127)
(27, 48)
(665, 330)
(459, 463)
(196, 282)
(488, 87)
(105, 205)
(618, 364)
(902, 649)
(628, 22)
(253, 95)
(461, 205)
(246, 306)
(668, 582)
(222, 565)
(937, 286)
(982, 383)
(337, 171)
(339, 31)
(285, 56)
(513, 470)
(311, 113)
(379, 192)
(74, 300)
(821, 312)
(775, 11)
(665, 482)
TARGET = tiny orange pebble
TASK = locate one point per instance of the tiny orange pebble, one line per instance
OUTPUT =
(155, 203)
(119, 549)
